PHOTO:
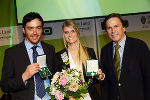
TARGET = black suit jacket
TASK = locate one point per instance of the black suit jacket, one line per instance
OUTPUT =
(16, 60)
(59, 63)
(134, 83)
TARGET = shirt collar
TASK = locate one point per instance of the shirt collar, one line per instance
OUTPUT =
(122, 43)
(30, 45)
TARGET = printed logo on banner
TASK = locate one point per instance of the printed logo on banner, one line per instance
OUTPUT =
(143, 19)
(47, 31)
(4, 35)
(86, 26)
(7, 35)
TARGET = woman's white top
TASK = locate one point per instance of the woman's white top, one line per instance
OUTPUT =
(74, 66)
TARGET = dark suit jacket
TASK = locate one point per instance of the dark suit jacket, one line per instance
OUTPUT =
(134, 83)
(59, 63)
(15, 62)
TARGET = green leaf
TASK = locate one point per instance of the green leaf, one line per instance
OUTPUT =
(52, 97)
(64, 67)
(47, 89)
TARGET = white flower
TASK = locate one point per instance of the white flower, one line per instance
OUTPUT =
(63, 71)
(73, 87)
(55, 77)
(77, 74)
(53, 90)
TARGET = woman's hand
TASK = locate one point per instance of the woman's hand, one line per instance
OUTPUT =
(101, 75)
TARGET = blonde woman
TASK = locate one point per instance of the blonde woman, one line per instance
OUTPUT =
(76, 54)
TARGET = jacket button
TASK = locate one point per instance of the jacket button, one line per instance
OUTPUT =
(119, 84)
(118, 97)
(32, 90)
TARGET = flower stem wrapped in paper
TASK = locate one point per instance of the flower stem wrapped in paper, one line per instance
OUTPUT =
(66, 85)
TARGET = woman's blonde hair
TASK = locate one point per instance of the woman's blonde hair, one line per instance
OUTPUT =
(82, 55)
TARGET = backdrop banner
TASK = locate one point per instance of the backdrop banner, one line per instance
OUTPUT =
(88, 28)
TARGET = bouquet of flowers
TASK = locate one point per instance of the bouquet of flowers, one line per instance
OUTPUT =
(67, 84)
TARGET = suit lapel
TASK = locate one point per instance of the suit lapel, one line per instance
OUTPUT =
(26, 62)
(111, 64)
(124, 69)
(24, 54)
(46, 53)
(48, 56)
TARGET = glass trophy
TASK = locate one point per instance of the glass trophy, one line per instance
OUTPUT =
(44, 72)
(92, 68)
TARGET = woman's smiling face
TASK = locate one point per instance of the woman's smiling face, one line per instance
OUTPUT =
(70, 35)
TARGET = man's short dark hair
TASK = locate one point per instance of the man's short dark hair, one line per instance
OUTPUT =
(31, 16)
(124, 24)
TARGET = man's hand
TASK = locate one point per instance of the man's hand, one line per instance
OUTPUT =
(30, 71)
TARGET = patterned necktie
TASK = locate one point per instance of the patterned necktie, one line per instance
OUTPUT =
(40, 89)
(117, 61)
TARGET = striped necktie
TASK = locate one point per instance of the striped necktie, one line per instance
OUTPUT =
(117, 61)
(40, 89)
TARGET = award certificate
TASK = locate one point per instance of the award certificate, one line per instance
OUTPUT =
(92, 67)
(44, 72)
